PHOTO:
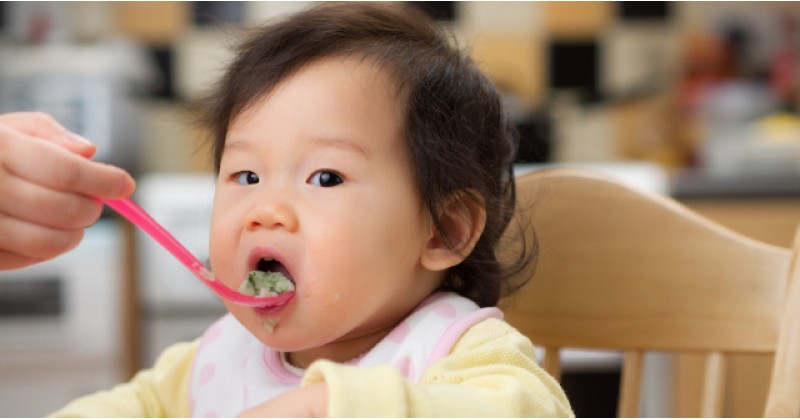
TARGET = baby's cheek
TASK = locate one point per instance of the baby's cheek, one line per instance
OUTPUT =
(335, 301)
(221, 252)
(214, 257)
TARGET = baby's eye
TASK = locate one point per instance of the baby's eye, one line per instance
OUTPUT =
(325, 179)
(246, 177)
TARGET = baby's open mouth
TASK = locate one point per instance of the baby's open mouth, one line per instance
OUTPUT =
(270, 278)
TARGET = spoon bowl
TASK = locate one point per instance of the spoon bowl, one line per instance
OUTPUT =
(128, 209)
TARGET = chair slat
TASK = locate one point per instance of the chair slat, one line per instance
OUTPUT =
(713, 385)
(631, 386)
(552, 362)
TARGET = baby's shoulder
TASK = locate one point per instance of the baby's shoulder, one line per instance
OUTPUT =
(492, 332)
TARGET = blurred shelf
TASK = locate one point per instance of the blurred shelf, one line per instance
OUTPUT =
(699, 184)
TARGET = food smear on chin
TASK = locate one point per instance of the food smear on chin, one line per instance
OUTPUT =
(269, 324)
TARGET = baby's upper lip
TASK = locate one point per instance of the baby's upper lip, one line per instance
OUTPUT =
(267, 253)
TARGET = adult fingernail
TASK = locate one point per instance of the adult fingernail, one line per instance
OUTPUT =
(76, 138)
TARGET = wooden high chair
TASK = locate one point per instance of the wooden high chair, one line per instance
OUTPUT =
(631, 270)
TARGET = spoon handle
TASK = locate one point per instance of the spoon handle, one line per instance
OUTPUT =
(131, 211)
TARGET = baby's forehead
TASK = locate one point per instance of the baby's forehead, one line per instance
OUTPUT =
(383, 71)
(333, 98)
(372, 76)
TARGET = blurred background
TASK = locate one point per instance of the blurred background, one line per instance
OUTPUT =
(698, 100)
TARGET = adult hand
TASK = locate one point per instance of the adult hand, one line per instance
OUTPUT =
(307, 401)
(47, 185)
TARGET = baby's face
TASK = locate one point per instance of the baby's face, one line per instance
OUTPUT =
(316, 176)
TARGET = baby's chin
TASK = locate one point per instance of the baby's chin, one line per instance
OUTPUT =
(274, 332)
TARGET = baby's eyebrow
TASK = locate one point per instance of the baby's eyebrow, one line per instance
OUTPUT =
(336, 143)
(236, 145)
(342, 143)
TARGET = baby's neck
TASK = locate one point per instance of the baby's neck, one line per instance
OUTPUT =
(340, 351)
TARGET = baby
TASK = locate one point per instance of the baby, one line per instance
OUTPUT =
(368, 161)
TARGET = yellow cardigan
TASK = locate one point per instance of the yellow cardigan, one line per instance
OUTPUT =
(491, 372)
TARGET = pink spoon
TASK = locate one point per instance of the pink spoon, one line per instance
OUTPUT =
(131, 211)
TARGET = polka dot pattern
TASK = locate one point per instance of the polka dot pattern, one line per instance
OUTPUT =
(207, 373)
(233, 371)
(399, 333)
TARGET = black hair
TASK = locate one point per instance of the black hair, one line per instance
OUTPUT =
(458, 138)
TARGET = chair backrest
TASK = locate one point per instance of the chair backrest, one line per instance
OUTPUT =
(624, 269)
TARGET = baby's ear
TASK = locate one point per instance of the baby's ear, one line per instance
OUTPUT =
(463, 217)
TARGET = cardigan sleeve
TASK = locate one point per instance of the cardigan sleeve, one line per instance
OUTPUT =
(491, 372)
(161, 391)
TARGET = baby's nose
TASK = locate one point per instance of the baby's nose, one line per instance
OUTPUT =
(272, 214)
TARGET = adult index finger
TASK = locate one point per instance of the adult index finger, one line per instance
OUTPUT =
(52, 166)
(43, 126)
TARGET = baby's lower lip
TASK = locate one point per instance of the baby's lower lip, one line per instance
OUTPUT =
(268, 310)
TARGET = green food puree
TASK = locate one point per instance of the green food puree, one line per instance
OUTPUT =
(265, 284)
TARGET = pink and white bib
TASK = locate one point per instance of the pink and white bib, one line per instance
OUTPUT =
(233, 371)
